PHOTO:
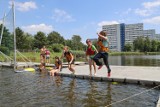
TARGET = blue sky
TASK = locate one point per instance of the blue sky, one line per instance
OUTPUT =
(82, 17)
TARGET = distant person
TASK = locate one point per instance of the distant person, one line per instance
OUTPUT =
(103, 44)
(57, 68)
(69, 57)
(47, 56)
(42, 67)
(90, 52)
(43, 54)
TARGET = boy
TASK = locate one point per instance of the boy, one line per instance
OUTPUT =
(103, 44)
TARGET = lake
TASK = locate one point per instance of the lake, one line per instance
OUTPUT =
(135, 60)
(35, 89)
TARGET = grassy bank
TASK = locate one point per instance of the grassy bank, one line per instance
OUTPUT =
(79, 55)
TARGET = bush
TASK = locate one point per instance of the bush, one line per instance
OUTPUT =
(57, 47)
(5, 50)
(79, 54)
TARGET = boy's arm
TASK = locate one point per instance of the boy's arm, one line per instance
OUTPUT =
(103, 37)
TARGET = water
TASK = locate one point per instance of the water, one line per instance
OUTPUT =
(135, 60)
(40, 90)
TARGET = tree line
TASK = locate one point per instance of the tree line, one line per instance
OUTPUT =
(143, 44)
(54, 41)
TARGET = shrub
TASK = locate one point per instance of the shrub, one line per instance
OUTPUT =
(5, 50)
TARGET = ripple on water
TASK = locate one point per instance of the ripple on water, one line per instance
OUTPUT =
(35, 89)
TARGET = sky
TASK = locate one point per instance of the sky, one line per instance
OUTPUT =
(81, 17)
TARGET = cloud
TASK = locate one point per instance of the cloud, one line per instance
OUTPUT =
(24, 6)
(36, 28)
(62, 16)
(148, 8)
(153, 20)
(107, 23)
(143, 12)
(151, 4)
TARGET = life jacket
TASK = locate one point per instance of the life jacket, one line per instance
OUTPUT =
(90, 51)
(47, 52)
(102, 47)
(68, 56)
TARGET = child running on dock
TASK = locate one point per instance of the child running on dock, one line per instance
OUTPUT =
(90, 52)
(69, 57)
(57, 68)
(103, 44)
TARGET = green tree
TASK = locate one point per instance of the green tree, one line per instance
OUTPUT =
(158, 46)
(57, 47)
(147, 45)
(7, 39)
(20, 38)
(54, 38)
(138, 44)
(40, 40)
(76, 43)
(154, 45)
(28, 43)
(68, 43)
(127, 47)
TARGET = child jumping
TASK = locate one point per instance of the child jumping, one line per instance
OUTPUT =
(103, 44)
(69, 57)
(90, 52)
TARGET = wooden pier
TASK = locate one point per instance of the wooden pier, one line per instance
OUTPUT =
(124, 74)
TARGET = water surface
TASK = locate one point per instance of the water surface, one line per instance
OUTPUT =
(40, 90)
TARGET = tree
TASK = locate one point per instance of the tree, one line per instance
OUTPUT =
(76, 43)
(154, 45)
(76, 38)
(54, 38)
(40, 40)
(127, 47)
(28, 43)
(7, 39)
(147, 45)
(68, 43)
(20, 38)
(138, 44)
(158, 46)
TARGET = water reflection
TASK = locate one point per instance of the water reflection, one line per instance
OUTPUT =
(71, 97)
(41, 90)
(135, 60)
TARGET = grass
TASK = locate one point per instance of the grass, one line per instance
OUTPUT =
(80, 55)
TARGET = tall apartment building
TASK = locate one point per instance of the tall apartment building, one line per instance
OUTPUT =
(121, 34)
(116, 35)
(132, 31)
(157, 36)
(149, 33)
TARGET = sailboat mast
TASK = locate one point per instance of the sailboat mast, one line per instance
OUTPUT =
(2, 29)
(14, 33)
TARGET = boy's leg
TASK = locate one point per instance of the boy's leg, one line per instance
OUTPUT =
(105, 59)
(96, 59)
(71, 68)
